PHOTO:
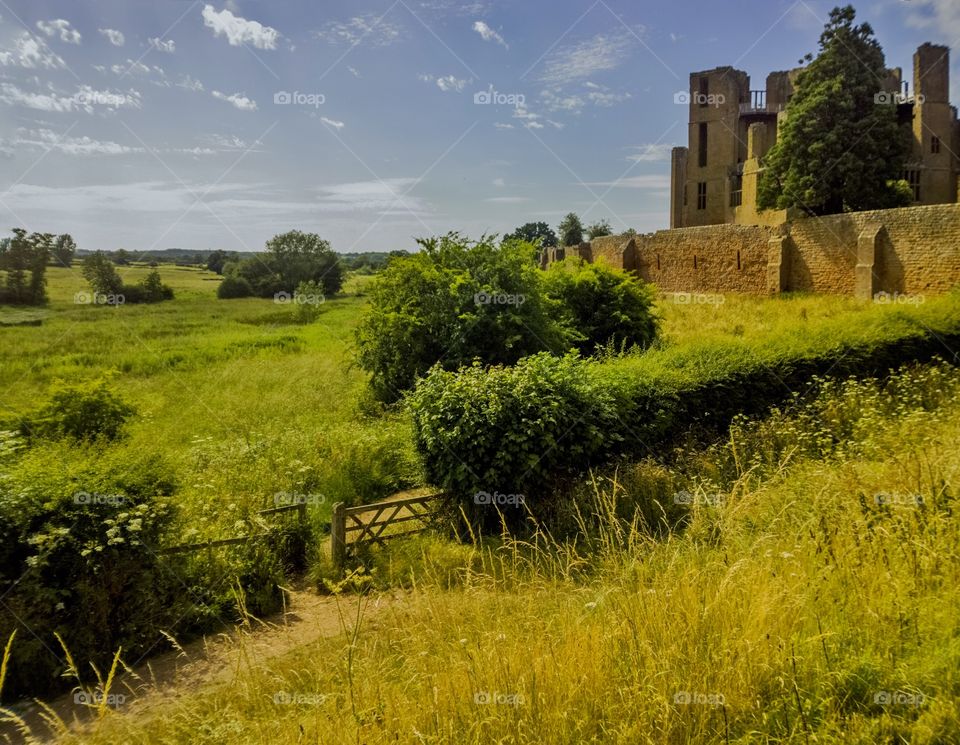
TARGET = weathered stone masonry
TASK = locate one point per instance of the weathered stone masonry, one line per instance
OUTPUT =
(914, 250)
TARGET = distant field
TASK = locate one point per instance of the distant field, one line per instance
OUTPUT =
(245, 401)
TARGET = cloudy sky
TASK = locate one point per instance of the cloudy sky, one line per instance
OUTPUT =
(149, 124)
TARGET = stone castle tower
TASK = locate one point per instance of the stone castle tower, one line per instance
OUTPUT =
(731, 128)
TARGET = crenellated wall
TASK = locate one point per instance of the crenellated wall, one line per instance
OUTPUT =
(915, 250)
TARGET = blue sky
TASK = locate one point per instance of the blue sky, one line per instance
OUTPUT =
(150, 124)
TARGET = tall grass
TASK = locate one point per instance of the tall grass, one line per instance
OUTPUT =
(808, 590)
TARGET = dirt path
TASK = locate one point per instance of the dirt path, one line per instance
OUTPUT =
(217, 658)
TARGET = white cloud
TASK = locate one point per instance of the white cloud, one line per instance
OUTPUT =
(238, 100)
(85, 99)
(446, 83)
(229, 142)
(332, 123)
(533, 125)
(507, 200)
(368, 28)
(62, 28)
(454, 7)
(168, 46)
(31, 52)
(488, 34)
(386, 195)
(46, 139)
(113, 36)
(651, 153)
(587, 58)
(239, 30)
(354, 71)
(556, 101)
(130, 67)
(943, 15)
(499, 182)
(503, 125)
(190, 84)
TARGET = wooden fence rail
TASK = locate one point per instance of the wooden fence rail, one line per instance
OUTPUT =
(186, 548)
(351, 527)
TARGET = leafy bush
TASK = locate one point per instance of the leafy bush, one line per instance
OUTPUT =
(101, 274)
(603, 305)
(522, 430)
(104, 279)
(80, 411)
(452, 303)
(292, 258)
(308, 301)
(78, 539)
(234, 287)
(510, 430)
(152, 289)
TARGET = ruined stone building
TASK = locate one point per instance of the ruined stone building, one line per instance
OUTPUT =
(714, 180)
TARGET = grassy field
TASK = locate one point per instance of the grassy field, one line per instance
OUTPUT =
(780, 611)
(245, 402)
(811, 595)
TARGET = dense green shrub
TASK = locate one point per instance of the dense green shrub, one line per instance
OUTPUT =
(602, 304)
(149, 290)
(524, 429)
(452, 303)
(105, 282)
(23, 259)
(308, 301)
(78, 540)
(292, 258)
(80, 411)
(101, 274)
(510, 430)
(234, 287)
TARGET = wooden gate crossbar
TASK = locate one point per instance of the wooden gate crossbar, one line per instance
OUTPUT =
(352, 526)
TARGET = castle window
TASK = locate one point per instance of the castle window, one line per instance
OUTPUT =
(684, 195)
(912, 177)
(694, 261)
(658, 262)
(738, 260)
(702, 195)
(702, 145)
(704, 91)
(935, 145)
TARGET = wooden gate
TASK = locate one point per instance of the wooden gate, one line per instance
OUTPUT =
(351, 527)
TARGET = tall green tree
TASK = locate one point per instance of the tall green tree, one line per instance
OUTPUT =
(839, 149)
(64, 249)
(599, 229)
(571, 230)
(25, 262)
(41, 249)
(16, 263)
(291, 258)
(102, 275)
(453, 302)
(531, 232)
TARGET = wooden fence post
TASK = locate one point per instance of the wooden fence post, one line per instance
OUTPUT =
(338, 536)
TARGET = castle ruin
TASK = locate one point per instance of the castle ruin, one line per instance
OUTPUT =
(720, 242)
(731, 127)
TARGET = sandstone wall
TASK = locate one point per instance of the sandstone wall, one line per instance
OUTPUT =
(915, 250)
(918, 252)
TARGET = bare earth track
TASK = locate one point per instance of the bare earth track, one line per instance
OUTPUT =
(214, 659)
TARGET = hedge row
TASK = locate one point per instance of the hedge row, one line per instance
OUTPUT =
(523, 429)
